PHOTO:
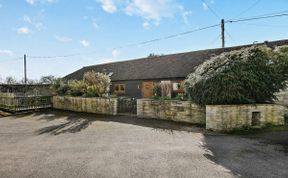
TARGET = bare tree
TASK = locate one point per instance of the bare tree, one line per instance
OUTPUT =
(10, 80)
(49, 79)
(29, 81)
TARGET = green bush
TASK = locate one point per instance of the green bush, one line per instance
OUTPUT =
(157, 90)
(250, 75)
(77, 87)
(93, 85)
(180, 96)
(97, 83)
(60, 87)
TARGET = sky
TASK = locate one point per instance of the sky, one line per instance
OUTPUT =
(61, 36)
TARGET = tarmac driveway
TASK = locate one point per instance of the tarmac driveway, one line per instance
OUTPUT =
(65, 144)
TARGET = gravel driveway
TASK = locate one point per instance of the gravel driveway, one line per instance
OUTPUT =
(65, 144)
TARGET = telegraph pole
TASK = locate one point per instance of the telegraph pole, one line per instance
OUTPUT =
(25, 70)
(223, 32)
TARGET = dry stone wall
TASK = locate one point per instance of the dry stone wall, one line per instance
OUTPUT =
(89, 105)
(228, 117)
(181, 111)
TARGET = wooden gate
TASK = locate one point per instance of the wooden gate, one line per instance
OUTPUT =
(127, 106)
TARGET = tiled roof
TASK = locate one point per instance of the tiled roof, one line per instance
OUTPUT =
(161, 67)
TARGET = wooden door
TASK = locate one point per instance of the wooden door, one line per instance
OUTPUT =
(147, 89)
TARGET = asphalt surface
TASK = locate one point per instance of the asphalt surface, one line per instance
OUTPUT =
(65, 144)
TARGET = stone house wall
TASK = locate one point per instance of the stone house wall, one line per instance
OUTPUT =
(182, 111)
(282, 97)
(89, 105)
(228, 117)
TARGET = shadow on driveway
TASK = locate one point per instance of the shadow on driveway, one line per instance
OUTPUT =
(76, 122)
(261, 155)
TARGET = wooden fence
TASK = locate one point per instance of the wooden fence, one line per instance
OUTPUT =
(20, 102)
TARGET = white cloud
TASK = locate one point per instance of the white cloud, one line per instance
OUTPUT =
(27, 19)
(206, 3)
(85, 43)
(30, 2)
(185, 15)
(151, 11)
(94, 24)
(23, 30)
(91, 20)
(33, 2)
(63, 39)
(115, 52)
(51, 1)
(146, 24)
(6, 52)
(205, 6)
(108, 6)
(39, 26)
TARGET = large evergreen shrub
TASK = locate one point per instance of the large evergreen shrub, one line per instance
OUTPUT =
(250, 75)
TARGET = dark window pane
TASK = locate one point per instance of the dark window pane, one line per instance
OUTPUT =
(116, 87)
(122, 88)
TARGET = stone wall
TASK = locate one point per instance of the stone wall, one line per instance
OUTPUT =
(89, 105)
(182, 111)
(228, 117)
(282, 97)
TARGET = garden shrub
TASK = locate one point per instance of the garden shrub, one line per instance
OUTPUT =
(249, 75)
(97, 83)
(77, 87)
(180, 96)
(60, 86)
(157, 90)
(93, 85)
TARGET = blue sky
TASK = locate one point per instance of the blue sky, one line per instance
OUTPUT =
(98, 31)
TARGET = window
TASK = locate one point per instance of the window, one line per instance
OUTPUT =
(176, 86)
(119, 88)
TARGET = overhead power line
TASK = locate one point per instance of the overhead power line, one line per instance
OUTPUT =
(210, 8)
(133, 44)
(266, 25)
(170, 36)
(267, 14)
(273, 13)
(216, 39)
(49, 57)
(256, 18)
(248, 9)
(263, 16)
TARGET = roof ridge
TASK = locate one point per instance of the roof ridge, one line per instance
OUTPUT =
(196, 51)
(177, 65)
